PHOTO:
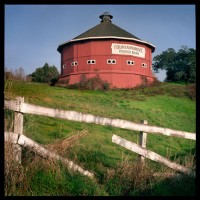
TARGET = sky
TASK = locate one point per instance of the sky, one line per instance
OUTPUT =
(32, 33)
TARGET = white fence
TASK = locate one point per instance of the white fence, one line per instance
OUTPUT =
(19, 106)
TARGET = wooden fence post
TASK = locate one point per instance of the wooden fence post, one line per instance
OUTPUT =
(18, 128)
(143, 141)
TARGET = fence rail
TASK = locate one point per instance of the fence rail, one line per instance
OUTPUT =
(24, 141)
(89, 118)
(149, 154)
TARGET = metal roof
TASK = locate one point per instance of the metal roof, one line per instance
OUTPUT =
(106, 29)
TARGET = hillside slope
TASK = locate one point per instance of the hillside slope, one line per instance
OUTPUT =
(166, 105)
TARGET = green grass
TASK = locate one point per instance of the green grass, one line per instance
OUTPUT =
(161, 110)
(167, 105)
(48, 183)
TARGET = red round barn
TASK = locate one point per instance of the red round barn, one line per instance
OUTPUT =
(117, 56)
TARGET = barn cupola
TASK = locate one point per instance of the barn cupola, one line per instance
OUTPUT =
(106, 17)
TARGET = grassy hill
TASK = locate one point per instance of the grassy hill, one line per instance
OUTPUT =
(167, 105)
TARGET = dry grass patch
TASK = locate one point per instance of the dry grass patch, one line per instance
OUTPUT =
(63, 145)
(133, 179)
(14, 174)
(48, 100)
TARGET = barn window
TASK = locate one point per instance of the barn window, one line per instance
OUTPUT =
(91, 61)
(130, 62)
(64, 65)
(111, 61)
(75, 63)
(144, 65)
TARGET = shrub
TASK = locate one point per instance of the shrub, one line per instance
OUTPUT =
(45, 74)
(62, 82)
(53, 81)
(94, 83)
(144, 81)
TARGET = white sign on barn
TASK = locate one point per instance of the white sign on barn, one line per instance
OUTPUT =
(127, 49)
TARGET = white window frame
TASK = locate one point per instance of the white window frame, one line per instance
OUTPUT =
(91, 62)
(74, 63)
(130, 62)
(63, 66)
(144, 65)
(111, 61)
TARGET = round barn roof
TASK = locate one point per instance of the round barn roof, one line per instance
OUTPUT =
(106, 29)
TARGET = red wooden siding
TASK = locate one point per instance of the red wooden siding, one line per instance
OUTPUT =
(119, 75)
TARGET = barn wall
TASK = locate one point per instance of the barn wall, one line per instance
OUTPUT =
(119, 74)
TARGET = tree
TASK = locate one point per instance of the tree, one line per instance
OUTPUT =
(19, 74)
(45, 74)
(180, 66)
(8, 74)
